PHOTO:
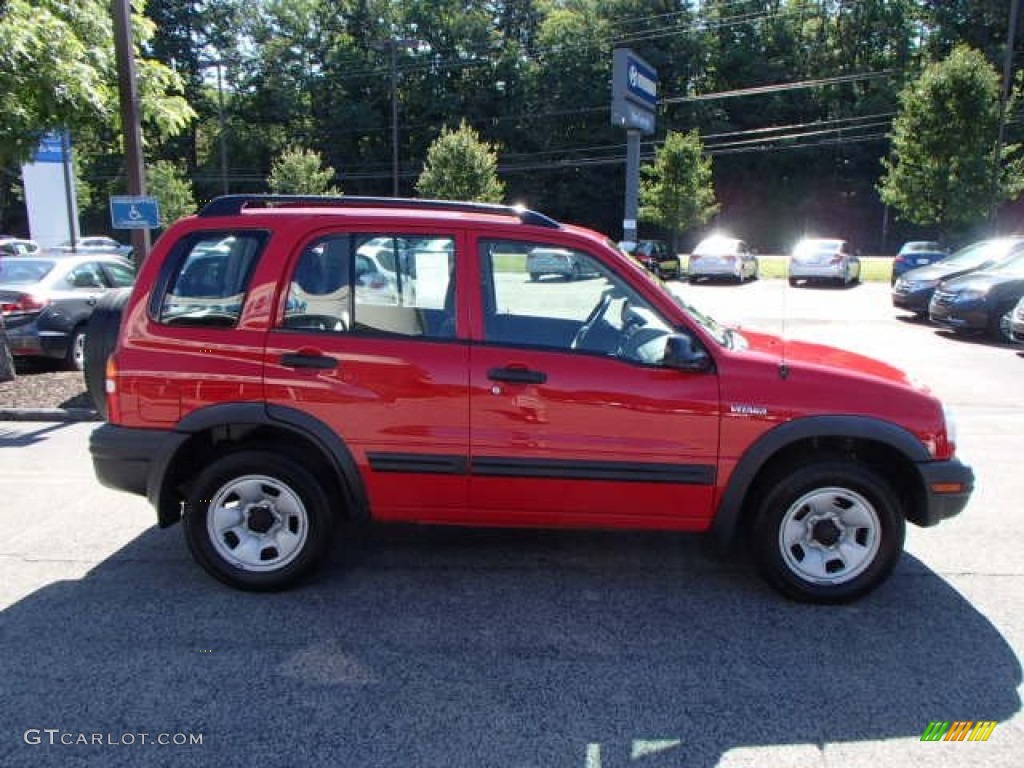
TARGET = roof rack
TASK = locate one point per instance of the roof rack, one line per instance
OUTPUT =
(231, 205)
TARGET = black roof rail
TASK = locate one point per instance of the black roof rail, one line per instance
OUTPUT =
(232, 205)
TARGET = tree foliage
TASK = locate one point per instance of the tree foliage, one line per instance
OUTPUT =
(800, 152)
(677, 191)
(460, 166)
(941, 168)
(299, 171)
(57, 70)
(168, 182)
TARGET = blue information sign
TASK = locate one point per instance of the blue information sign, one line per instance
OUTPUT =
(134, 212)
(51, 148)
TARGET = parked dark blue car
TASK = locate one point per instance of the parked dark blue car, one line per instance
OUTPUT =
(914, 254)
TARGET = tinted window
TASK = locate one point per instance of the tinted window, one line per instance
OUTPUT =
(374, 283)
(119, 275)
(210, 283)
(22, 271)
(84, 277)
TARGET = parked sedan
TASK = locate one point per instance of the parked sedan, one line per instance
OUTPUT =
(45, 301)
(1016, 323)
(913, 290)
(914, 254)
(818, 258)
(6, 359)
(977, 301)
(721, 256)
(555, 261)
(16, 246)
(96, 244)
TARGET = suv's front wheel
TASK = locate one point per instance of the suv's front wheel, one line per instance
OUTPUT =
(829, 532)
(257, 520)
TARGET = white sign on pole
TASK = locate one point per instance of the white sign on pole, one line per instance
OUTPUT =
(50, 191)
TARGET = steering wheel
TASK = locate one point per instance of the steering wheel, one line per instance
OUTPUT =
(588, 325)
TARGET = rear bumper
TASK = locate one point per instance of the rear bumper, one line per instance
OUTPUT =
(133, 460)
(948, 486)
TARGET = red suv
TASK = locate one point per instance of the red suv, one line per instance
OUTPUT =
(272, 376)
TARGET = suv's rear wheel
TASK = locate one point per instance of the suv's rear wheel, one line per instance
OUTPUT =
(257, 520)
(828, 532)
(100, 339)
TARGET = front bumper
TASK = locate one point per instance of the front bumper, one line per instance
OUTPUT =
(913, 301)
(948, 486)
(971, 316)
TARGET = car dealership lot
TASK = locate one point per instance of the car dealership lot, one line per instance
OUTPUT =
(493, 648)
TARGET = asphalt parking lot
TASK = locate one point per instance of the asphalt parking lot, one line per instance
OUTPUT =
(456, 648)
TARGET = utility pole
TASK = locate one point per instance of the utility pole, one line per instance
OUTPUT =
(131, 126)
(1004, 97)
(391, 45)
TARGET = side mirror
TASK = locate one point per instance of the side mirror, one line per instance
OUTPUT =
(684, 354)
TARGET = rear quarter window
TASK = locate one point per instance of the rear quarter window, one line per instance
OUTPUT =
(207, 279)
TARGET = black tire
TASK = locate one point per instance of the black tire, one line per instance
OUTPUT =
(828, 532)
(534, 277)
(287, 500)
(74, 358)
(7, 372)
(577, 272)
(100, 339)
(792, 282)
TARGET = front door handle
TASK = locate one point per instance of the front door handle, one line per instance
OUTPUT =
(517, 375)
(308, 360)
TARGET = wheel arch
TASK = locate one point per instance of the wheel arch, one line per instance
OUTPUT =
(230, 427)
(889, 449)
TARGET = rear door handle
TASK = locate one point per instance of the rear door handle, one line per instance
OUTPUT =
(517, 375)
(308, 360)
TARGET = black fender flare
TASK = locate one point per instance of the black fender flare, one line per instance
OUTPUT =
(780, 437)
(243, 415)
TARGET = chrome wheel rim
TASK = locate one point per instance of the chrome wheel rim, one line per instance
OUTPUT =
(257, 523)
(78, 350)
(830, 536)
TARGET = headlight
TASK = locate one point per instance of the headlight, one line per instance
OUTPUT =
(972, 294)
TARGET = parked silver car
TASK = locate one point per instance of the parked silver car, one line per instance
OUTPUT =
(95, 244)
(823, 259)
(722, 256)
(47, 300)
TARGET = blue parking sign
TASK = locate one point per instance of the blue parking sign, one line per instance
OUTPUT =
(134, 212)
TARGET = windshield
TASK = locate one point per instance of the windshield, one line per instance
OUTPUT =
(716, 247)
(1014, 265)
(724, 336)
(978, 253)
(21, 271)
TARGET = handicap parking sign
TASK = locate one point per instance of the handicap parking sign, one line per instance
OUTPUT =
(134, 212)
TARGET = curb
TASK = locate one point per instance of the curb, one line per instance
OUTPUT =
(67, 415)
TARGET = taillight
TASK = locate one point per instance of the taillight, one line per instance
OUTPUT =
(25, 304)
(110, 388)
(837, 260)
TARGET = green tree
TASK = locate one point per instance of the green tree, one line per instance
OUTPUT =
(940, 171)
(170, 185)
(58, 70)
(460, 166)
(300, 171)
(677, 191)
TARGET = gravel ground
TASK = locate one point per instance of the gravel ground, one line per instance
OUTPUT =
(39, 386)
